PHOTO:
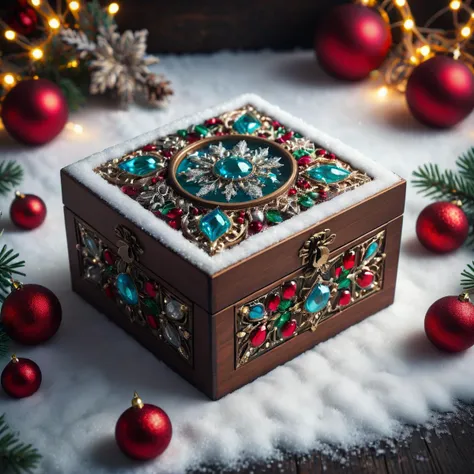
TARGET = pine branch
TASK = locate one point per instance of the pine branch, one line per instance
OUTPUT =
(4, 341)
(15, 456)
(9, 265)
(11, 175)
(467, 280)
(465, 163)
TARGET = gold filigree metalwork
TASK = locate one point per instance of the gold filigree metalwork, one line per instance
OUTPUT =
(338, 283)
(148, 303)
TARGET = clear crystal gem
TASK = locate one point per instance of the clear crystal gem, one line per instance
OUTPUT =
(174, 310)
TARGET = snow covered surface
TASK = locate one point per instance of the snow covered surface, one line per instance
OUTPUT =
(133, 211)
(363, 385)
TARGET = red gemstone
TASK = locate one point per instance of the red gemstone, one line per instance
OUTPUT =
(154, 180)
(109, 257)
(255, 227)
(349, 260)
(240, 220)
(242, 213)
(167, 153)
(212, 121)
(321, 152)
(292, 192)
(261, 135)
(194, 211)
(150, 289)
(149, 148)
(331, 156)
(365, 278)
(273, 302)
(301, 183)
(219, 134)
(276, 124)
(280, 140)
(304, 161)
(193, 137)
(109, 291)
(337, 272)
(289, 328)
(258, 336)
(344, 298)
(287, 136)
(152, 321)
(289, 290)
(175, 223)
(323, 194)
(174, 213)
(129, 191)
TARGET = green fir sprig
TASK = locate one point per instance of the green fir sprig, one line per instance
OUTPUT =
(9, 265)
(451, 185)
(11, 174)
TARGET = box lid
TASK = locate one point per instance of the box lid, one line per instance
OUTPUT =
(274, 177)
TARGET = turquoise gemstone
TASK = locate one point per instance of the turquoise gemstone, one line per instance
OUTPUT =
(140, 165)
(371, 249)
(328, 174)
(214, 225)
(317, 299)
(233, 167)
(246, 124)
(127, 289)
(257, 312)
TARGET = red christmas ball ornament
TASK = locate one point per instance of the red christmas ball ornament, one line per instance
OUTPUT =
(442, 227)
(440, 92)
(31, 314)
(27, 211)
(143, 431)
(449, 323)
(352, 41)
(21, 377)
(34, 111)
(22, 18)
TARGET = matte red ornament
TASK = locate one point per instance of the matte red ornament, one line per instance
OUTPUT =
(440, 92)
(34, 111)
(352, 41)
(143, 431)
(442, 227)
(31, 314)
(27, 211)
(22, 18)
(21, 377)
(449, 323)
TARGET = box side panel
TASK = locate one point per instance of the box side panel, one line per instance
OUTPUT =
(197, 370)
(264, 268)
(163, 262)
(229, 378)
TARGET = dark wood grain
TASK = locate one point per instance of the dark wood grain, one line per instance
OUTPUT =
(425, 452)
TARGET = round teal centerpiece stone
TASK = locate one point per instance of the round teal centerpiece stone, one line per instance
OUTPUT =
(233, 167)
(318, 298)
(126, 288)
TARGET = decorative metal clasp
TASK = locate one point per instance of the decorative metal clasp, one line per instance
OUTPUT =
(315, 252)
(129, 248)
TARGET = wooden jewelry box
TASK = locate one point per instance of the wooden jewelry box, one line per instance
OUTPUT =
(233, 240)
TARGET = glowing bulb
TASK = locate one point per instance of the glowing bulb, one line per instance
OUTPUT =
(466, 32)
(37, 53)
(36, 3)
(382, 92)
(408, 24)
(455, 5)
(456, 53)
(8, 79)
(54, 23)
(75, 127)
(113, 8)
(10, 35)
(413, 60)
(74, 6)
(425, 50)
(400, 3)
(72, 63)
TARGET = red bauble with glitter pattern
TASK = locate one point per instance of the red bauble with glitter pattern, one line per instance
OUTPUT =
(352, 41)
(31, 314)
(143, 431)
(21, 377)
(449, 323)
(34, 111)
(442, 227)
(22, 18)
(27, 211)
(440, 92)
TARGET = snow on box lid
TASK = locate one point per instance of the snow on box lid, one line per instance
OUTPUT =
(221, 185)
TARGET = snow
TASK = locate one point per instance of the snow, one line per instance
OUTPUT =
(366, 384)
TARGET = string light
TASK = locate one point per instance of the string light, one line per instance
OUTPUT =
(456, 53)
(382, 92)
(408, 24)
(466, 32)
(9, 79)
(425, 50)
(54, 23)
(10, 35)
(72, 63)
(75, 127)
(37, 53)
(400, 3)
(36, 3)
(113, 8)
(74, 6)
(455, 5)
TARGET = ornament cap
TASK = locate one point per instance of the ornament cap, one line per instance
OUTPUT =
(137, 401)
(19, 195)
(15, 359)
(16, 285)
(457, 202)
(464, 297)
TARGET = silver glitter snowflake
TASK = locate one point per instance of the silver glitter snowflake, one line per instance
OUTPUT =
(213, 173)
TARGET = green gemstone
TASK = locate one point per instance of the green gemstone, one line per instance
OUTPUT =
(306, 201)
(301, 152)
(201, 130)
(151, 306)
(182, 133)
(285, 317)
(274, 216)
(345, 283)
(313, 195)
(281, 131)
(343, 276)
(284, 305)
(167, 207)
(298, 135)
